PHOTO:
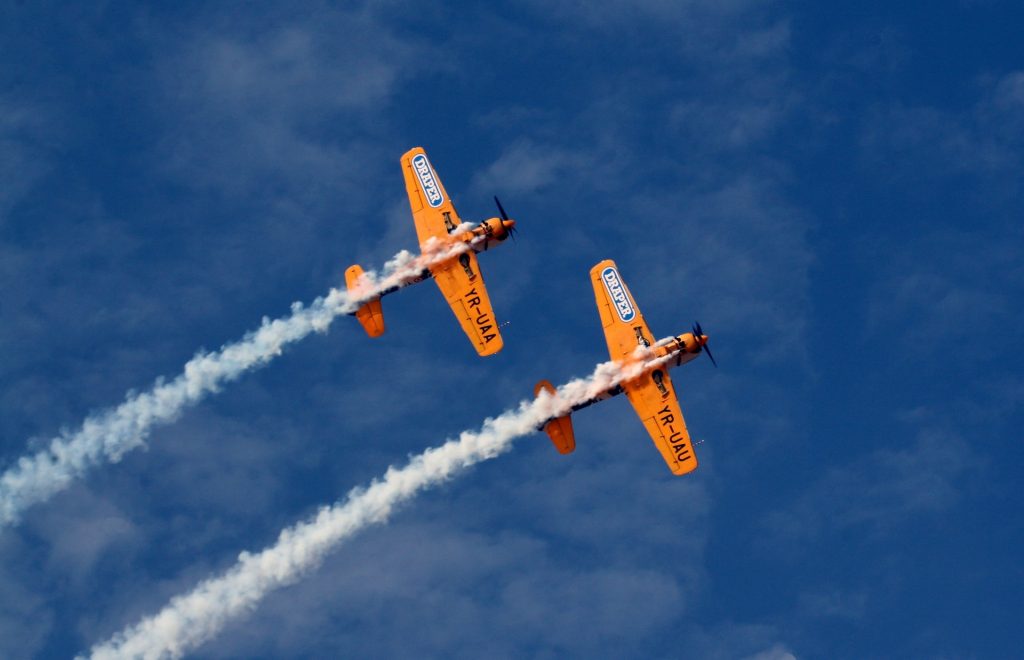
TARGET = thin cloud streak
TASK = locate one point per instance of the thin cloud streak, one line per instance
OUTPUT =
(107, 436)
(194, 618)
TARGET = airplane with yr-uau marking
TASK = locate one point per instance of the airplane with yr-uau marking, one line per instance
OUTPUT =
(459, 277)
(650, 392)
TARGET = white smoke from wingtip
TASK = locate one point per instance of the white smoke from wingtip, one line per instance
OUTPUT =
(108, 435)
(194, 618)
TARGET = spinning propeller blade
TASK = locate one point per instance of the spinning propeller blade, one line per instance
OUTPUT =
(501, 210)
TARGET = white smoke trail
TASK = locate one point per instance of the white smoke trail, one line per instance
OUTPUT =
(191, 619)
(108, 435)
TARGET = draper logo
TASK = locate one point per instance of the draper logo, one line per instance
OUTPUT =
(428, 180)
(618, 294)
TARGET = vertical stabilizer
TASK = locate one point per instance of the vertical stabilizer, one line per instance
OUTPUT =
(560, 428)
(370, 315)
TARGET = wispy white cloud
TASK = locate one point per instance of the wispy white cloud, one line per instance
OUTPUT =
(686, 186)
(192, 619)
(920, 144)
(107, 436)
(777, 652)
(834, 604)
(24, 130)
(948, 285)
(878, 492)
(84, 534)
(247, 100)
(526, 166)
(26, 620)
(731, 639)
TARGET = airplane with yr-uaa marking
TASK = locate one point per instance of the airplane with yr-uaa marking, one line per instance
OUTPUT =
(459, 277)
(651, 392)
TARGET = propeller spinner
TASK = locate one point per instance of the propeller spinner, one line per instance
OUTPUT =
(702, 340)
(504, 217)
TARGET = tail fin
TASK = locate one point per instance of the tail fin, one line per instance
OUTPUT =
(370, 315)
(560, 428)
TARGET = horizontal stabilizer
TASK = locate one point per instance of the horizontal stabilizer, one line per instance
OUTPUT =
(560, 428)
(370, 315)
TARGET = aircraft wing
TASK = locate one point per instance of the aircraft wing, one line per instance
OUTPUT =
(463, 287)
(624, 325)
(432, 209)
(654, 400)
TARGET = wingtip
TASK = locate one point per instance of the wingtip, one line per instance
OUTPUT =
(601, 265)
(412, 152)
(492, 347)
(682, 469)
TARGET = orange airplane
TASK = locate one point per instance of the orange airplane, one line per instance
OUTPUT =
(458, 278)
(651, 392)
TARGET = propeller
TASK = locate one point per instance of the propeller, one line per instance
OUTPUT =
(698, 332)
(501, 209)
(504, 216)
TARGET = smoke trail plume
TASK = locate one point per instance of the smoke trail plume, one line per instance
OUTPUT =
(108, 435)
(191, 619)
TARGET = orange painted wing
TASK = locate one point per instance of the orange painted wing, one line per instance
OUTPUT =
(463, 287)
(658, 408)
(624, 325)
(432, 208)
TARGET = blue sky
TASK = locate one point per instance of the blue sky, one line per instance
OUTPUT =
(834, 191)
